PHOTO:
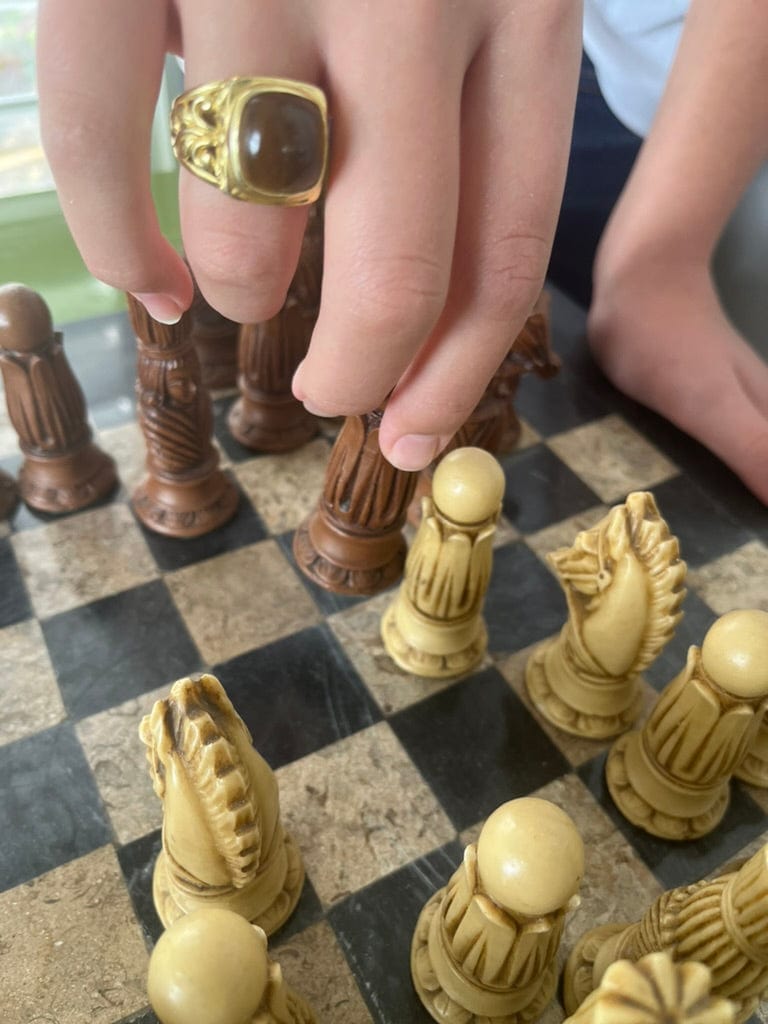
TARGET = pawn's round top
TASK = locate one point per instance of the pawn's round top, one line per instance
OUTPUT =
(735, 653)
(210, 966)
(530, 857)
(25, 320)
(468, 485)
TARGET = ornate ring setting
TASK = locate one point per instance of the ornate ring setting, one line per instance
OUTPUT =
(264, 140)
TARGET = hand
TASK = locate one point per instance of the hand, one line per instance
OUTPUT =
(450, 134)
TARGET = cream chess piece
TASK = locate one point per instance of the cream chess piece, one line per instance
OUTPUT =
(672, 778)
(754, 768)
(212, 967)
(623, 581)
(223, 841)
(722, 923)
(484, 947)
(655, 990)
(434, 627)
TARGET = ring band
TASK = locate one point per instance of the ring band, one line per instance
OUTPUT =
(264, 140)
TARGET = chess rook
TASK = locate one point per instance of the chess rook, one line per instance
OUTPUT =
(623, 581)
(352, 543)
(434, 627)
(485, 946)
(212, 966)
(63, 470)
(672, 778)
(721, 923)
(267, 417)
(185, 493)
(655, 990)
(754, 768)
(223, 841)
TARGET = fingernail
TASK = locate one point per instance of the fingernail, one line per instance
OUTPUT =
(414, 451)
(161, 307)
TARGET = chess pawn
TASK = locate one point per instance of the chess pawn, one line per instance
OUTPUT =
(184, 494)
(672, 778)
(63, 470)
(267, 417)
(655, 990)
(215, 340)
(223, 841)
(352, 543)
(434, 627)
(754, 768)
(484, 948)
(721, 923)
(623, 582)
(212, 967)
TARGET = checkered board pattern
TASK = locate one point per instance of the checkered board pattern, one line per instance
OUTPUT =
(383, 777)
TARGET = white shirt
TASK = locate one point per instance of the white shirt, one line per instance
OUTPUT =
(632, 44)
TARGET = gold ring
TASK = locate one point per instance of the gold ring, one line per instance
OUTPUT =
(264, 140)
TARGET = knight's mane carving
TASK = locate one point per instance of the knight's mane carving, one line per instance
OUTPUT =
(191, 724)
(586, 569)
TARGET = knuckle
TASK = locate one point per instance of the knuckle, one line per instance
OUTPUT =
(255, 282)
(513, 275)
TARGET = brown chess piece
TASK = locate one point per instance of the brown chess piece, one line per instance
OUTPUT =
(63, 470)
(353, 542)
(185, 493)
(267, 417)
(493, 424)
(9, 495)
(215, 341)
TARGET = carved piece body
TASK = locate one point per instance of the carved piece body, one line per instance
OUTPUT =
(185, 493)
(215, 340)
(623, 581)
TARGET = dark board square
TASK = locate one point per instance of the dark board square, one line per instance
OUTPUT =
(50, 811)
(142, 1017)
(524, 602)
(297, 695)
(477, 746)
(137, 863)
(375, 927)
(558, 404)
(106, 652)
(541, 490)
(705, 530)
(14, 600)
(679, 863)
(171, 553)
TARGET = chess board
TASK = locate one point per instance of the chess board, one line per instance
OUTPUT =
(383, 777)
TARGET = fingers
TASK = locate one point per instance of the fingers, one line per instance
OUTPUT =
(99, 69)
(243, 255)
(515, 138)
(396, 79)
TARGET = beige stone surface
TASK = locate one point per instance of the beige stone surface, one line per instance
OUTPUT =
(241, 600)
(30, 700)
(737, 580)
(314, 966)
(358, 810)
(528, 436)
(118, 760)
(359, 631)
(126, 446)
(71, 944)
(612, 458)
(284, 489)
(82, 558)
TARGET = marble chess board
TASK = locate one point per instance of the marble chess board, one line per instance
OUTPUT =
(383, 777)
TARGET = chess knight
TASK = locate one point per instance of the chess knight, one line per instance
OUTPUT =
(484, 950)
(623, 581)
(223, 841)
(721, 923)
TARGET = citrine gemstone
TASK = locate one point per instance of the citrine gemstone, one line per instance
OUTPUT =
(282, 138)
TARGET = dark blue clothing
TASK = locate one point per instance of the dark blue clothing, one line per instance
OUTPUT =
(602, 154)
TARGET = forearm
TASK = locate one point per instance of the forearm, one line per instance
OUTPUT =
(710, 134)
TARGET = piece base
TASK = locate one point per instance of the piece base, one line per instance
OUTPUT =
(350, 580)
(579, 968)
(67, 483)
(424, 663)
(9, 495)
(186, 509)
(279, 426)
(551, 707)
(640, 813)
(238, 900)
